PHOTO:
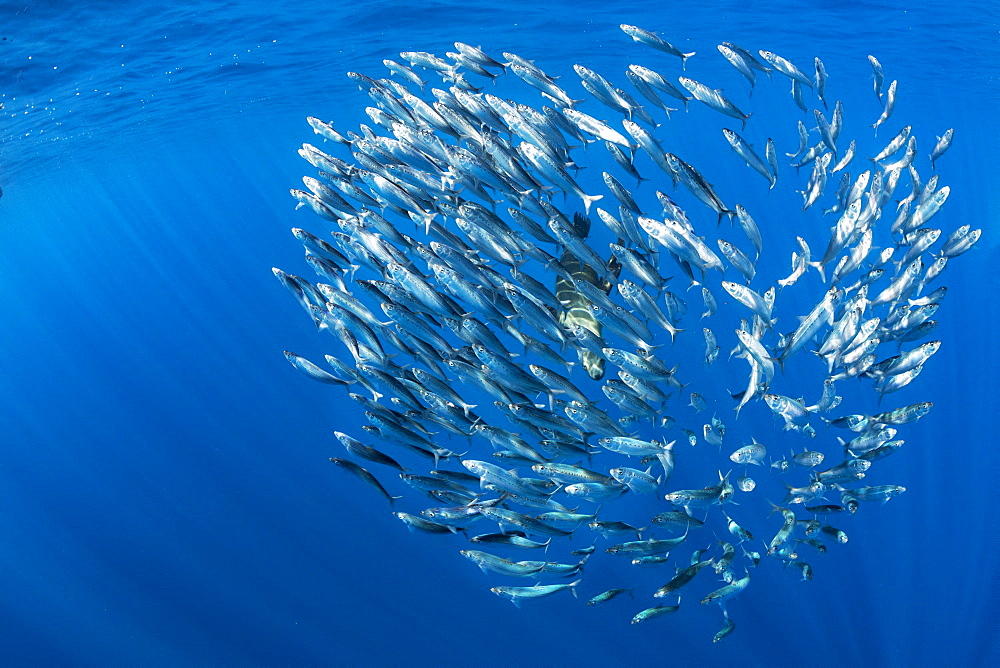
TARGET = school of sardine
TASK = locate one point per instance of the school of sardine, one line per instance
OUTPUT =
(458, 266)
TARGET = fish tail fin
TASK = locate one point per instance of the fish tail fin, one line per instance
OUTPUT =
(818, 266)
(588, 200)
(427, 219)
(780, 359)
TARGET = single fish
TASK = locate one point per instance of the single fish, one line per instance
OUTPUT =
(890, 105)
(519, 594)
(786, 67)
(651, 39)
(654, 612)
(713, 99)
(745, 151)
(606, 596)
(942, 145)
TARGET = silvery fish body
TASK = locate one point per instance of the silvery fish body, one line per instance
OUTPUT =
(647, 547)
(681, 242)
(654, 612)
(942, 145)
(820, 315)
(927, 209)
(492, 563)
(786, 67)
(596, 492)
(533, 526)
(697, 184)
(640, 482)
(878, 76)
(608, 595)
(797, 95)
(758, 353)
(890, 105)
(820, 80)
(427, 60)
(714, 99)
(647, 91)
(555, 173)
(771, 153)
(640, 300)
(711, 305)
(364, 475)
(313, 371)
(651, 39)
(633, 446)
(543, 83)
(621, 193)
(591, 418)
(894, 145)
(519, 594)
(878, 493)
(749, 298)
(745, 151)
(723, 594)
(740, 63)
(592, 126)
(749, 454)
(825, 131)
(800, 264)
(803, 140)
(638, 265)
(898, 381)
(750, 228)
(794, 413)
(709, 496)
(657, 81)
(846, 158)
(496, 475)
(650, 145)
(737, 259)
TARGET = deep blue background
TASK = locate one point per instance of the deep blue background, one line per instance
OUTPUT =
(164, 491)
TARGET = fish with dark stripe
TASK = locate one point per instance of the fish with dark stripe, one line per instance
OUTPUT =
(577, 305)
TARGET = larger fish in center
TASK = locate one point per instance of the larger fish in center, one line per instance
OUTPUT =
(577, 305)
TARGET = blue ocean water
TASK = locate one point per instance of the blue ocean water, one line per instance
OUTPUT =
(165, 497)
